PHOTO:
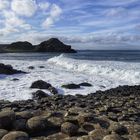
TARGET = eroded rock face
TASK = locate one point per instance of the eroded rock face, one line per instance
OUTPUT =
(16, 135)
(20, 46)
(54, 45)
(9, 70)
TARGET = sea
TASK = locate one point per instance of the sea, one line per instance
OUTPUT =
(104, 69)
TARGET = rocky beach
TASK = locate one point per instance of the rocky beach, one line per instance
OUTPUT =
(112, 114)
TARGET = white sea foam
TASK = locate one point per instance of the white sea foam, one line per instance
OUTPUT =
(62, 70)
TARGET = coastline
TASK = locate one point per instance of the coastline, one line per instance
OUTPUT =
(113, 112)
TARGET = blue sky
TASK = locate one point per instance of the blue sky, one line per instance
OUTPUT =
(85, 24)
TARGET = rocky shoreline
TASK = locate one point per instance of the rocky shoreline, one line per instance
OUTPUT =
(105, 115)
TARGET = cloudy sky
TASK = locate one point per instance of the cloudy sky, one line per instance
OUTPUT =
(86, 24)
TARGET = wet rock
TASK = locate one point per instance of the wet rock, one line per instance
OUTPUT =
(85, 117)
(112, 137)
(40, 84)
(31, 67)
(56, 121)
(37, 123)
(41, 67)
(53, 90)
(19, 124)
(9, 70)
(24, 115)
(71, 86)
(88, 127)
(98, 134)
(3, 132)
(39, 94)
(15, 79)
(118, 128)
(85, 84)
(16, 135)
(57, 136)
(136, 136)
(6, 119)
(69, 128)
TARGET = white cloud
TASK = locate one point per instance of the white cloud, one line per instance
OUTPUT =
(4, 4)
(24, 7)
(48, 22)
(44, 5)
(54, 14)
(55, 11)
(11, 19)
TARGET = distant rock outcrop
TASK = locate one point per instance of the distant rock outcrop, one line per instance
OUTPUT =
(51, 45)
(20, 46)
(54, 45)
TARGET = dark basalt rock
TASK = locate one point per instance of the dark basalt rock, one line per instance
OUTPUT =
(31, 67)
(16, 135)
(20, 46)
(85, 84)
(71, 86)
(53, 90)
(9, 70)
(54, 45)
(39, 94)
(69, 128)
(40, 84)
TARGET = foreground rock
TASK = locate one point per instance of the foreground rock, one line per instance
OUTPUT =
(16, 135)
(105, 115)
(9, 70)
(69, 128)
(6, 119)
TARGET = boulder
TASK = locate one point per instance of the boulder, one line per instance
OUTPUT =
(39, 94)
(6, 119)
(69, 128)
(24, 115)
(112, 137)
(53, 90)
(40, 84)
(38, 123)
(85, 84)
(31, 67)
(9, 70)
(3, 132)
(85, 117)
(98, 134)
(54, 45)
(16, 135)
(71, 86)
(19, 124)
(118, 128)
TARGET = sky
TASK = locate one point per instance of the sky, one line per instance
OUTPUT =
(85, 24)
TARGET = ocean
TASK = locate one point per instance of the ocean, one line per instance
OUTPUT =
(103, 69)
